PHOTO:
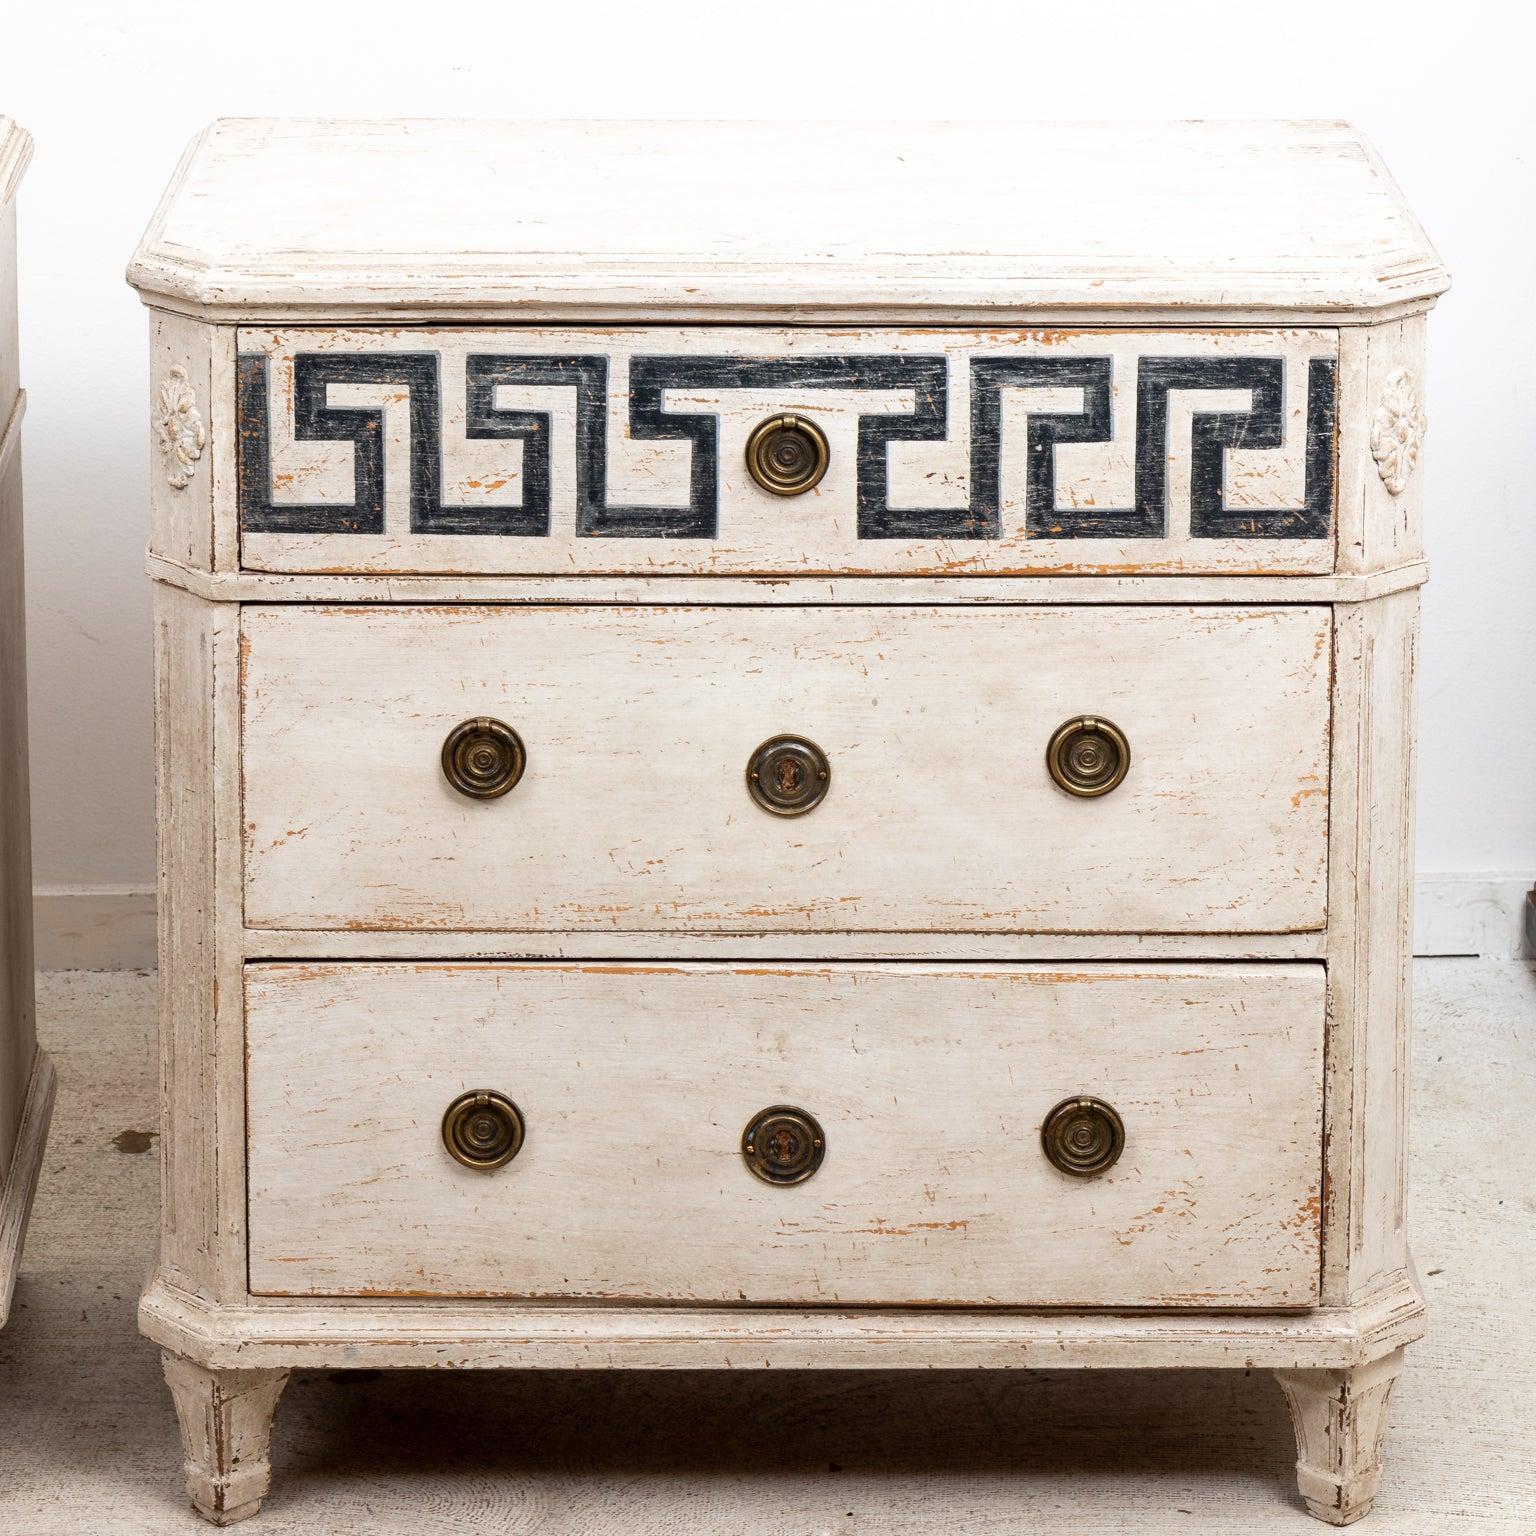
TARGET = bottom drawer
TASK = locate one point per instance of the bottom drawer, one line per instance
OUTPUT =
(930, 1085)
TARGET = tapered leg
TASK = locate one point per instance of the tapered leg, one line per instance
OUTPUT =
(1339, 1417)
(226, 1427)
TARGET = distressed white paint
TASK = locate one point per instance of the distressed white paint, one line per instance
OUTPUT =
(639, 722)
(930, 1084)
(538, 219)
(181, 517)
(769, 591)
(106, 146)
(941, 1452)
(198, 912)
(810, 534)
(226, 1423)
(1276, 705)
(505, 1335)
(26, 1078)
(113, 928)
(1340, 1417)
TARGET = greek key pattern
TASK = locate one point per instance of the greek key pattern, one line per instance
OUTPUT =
(924, 379)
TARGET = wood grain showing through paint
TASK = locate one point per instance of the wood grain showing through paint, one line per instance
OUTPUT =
(633, 813)
(931, 1085)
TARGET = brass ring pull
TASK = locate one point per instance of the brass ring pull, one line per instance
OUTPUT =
(1088, 756)
(483, 1130)
(783, 1145)
(788, 775)
(483, 758)
(787, 455)
(1083, 1136)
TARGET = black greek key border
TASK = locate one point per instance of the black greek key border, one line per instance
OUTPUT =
(1214, 434)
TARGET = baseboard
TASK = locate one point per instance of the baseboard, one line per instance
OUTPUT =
(94, 928)
(112, 928)
(1478, 913)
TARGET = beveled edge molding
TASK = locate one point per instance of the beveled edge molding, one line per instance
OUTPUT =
(329, 1335)
(15, 157)
(19, 1185)
(796, 590)
(184, 284)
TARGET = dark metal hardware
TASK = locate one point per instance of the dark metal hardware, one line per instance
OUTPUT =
(1088, 756)
(788, 775)
(783, 1145)
(1083, 1136)
(483, 758)
(483, 1129)
(787, 455)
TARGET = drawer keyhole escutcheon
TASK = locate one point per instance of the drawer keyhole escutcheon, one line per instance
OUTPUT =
(787, 455)
(1083, 1136)
(788, 775)
(1088, 756)
(783, 1145)
(483, 1129)
(483, 758)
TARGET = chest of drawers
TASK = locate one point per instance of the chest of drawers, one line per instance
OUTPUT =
(814, 780)
(26, 1074)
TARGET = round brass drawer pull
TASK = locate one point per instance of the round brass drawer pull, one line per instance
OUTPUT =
(788, 775)
(787, 455)
(1083, 1136)
(483, 1129)
(1088, 756)
(483, 758)
(783, 1145)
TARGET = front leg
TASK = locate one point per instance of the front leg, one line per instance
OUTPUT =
(1339, 1417)
(226, 1426)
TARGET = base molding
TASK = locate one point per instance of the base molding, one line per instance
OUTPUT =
(20, 1181)
(348, 1334)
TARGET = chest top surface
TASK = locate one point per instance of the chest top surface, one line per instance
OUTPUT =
(560, 350)
(743, 220)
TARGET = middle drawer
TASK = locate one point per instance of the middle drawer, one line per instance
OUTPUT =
(634, 810)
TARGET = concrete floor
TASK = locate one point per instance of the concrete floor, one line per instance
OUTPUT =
(88, 1441)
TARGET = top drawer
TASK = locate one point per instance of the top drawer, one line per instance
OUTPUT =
(946, 452)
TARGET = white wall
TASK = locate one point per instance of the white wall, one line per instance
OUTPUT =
(113, 92)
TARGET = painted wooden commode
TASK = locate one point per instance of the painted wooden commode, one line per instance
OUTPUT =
(26, 1073)
(784, 781)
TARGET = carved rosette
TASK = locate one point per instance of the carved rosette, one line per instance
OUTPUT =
(179, 428)
(1397, 430)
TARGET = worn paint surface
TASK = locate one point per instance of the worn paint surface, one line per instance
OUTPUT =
(26, 1076)
(558, 452)
(634, 813)
(409, 219)
(930, 1083)
(303, 814)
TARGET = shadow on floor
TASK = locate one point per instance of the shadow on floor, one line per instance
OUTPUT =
(787, 1422)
